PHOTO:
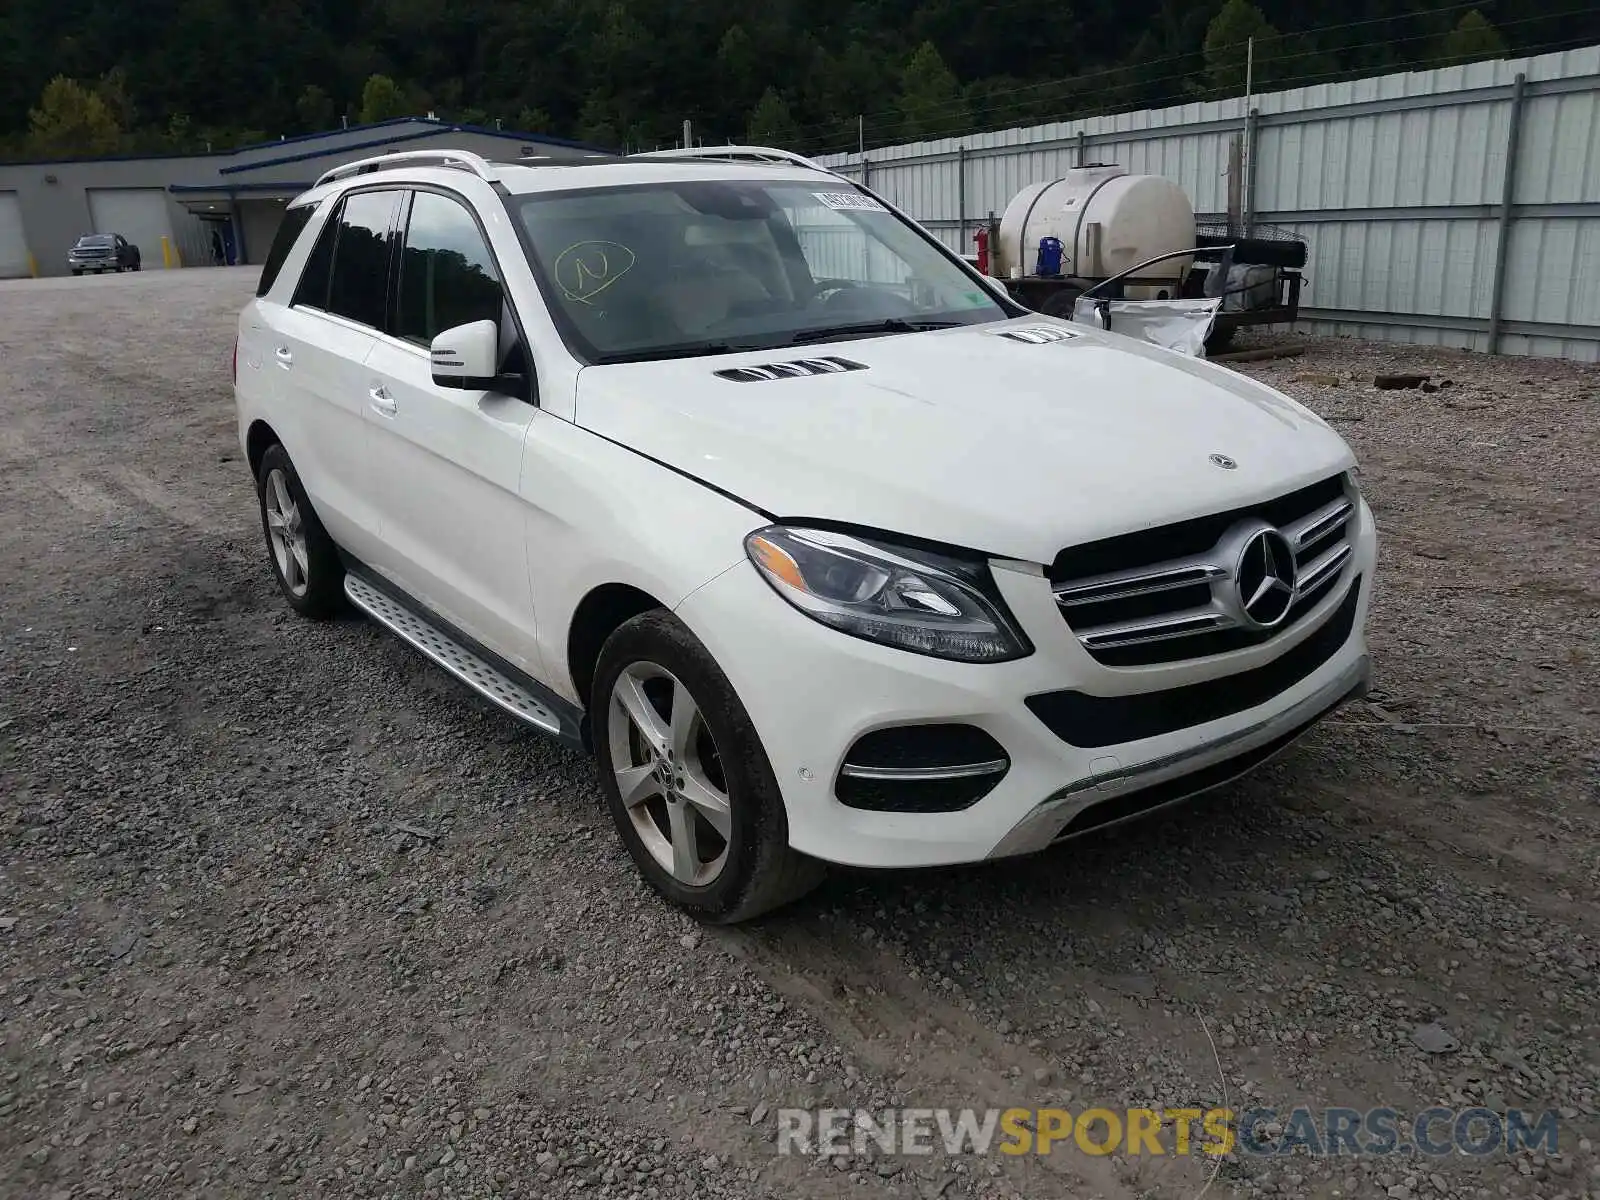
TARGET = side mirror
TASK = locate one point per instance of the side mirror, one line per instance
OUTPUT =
(467, 356)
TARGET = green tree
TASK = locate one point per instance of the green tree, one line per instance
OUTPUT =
(771, 123)
(931, 104)
(113, 92)
(738, 63)
(71, 120)
(632, 70)
(315, 109)
(1227, 47)
(179, 134)
(532, 120)
(1472, 38)
(598, 122)
(382, 100)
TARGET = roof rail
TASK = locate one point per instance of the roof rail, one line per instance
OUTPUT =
(463, 160)
(766, 154)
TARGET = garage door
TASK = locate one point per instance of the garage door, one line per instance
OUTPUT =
(13, 243)
(138, 214)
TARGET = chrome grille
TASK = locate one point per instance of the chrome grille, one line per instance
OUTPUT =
(1171, 594)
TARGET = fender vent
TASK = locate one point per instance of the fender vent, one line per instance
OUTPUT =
(789, 370)
(1036, 335)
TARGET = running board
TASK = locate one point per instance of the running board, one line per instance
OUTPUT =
(469, 666)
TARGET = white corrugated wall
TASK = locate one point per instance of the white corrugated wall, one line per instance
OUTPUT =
(1395, 181)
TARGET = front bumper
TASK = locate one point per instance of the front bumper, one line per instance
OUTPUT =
(1150, 786)
(811, 692)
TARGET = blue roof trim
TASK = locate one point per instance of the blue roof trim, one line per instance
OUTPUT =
(433, 129)
(428, 129)
(311, 137)
(344, 148)
(97, 158)
(223, 189)
(515, 135)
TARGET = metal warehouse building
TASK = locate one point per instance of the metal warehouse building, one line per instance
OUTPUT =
(180, 209)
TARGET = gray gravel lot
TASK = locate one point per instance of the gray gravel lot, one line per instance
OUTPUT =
(224, 973)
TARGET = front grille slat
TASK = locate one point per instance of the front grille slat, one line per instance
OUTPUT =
(1167, 594)
(1320, 570)
(1320, 523)
(1133, 633)
(1125, 584)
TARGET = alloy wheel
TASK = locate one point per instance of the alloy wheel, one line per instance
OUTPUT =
(286, 531)
(669, 774)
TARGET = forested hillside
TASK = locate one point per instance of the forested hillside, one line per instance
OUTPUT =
(105, 76)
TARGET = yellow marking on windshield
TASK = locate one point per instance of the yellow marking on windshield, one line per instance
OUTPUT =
(585, 269)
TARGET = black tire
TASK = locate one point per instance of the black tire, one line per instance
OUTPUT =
(322, 595)
(1060, 301)
(1218, 340)
(77, 270)
(761, 872)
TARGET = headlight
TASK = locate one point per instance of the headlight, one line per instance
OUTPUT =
(914, 600)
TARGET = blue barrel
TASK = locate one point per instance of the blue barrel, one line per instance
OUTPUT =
(1049, 263)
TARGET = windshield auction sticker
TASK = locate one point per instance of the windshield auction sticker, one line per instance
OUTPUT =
(849, 202)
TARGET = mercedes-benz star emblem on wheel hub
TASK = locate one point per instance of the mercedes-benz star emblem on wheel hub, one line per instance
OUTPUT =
(1265, 578)
(1223, 461)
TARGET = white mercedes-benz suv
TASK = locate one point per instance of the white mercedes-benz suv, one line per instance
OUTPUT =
(830, 552)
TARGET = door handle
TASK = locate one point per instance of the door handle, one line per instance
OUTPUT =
(285, 357)
(382, 403)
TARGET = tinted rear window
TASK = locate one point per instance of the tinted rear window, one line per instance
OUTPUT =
(294, 223)
(360, 286)
(97, 241)
(348, 271)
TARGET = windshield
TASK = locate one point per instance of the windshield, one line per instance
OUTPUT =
(654, 270)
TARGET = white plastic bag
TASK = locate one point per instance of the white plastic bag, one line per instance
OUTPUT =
(1181, 325)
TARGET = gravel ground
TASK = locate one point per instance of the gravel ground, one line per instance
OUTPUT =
(225, 973)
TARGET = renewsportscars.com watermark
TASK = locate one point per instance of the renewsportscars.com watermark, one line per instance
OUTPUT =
(1213, 1132)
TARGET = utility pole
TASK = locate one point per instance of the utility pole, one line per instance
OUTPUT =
(861, 135)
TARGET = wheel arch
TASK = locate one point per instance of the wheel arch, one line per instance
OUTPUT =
(596, 618)
(258, 440)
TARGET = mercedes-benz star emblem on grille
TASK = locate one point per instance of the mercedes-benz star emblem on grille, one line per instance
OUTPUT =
(1223, 461)
(1266, 579)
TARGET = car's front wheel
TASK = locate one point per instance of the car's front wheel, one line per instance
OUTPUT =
(688, 783)
(304, 558)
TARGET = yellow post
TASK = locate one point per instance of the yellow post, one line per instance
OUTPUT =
(166, 252)
(33, 266)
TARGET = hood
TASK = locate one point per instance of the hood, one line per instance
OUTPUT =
(968, 437)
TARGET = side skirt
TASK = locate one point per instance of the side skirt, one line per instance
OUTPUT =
(496, 680)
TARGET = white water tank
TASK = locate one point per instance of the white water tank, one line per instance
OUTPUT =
(1107, 221)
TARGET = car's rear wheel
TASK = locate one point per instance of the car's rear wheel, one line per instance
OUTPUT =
(77, 270)
(303, 556)
(688, 783)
